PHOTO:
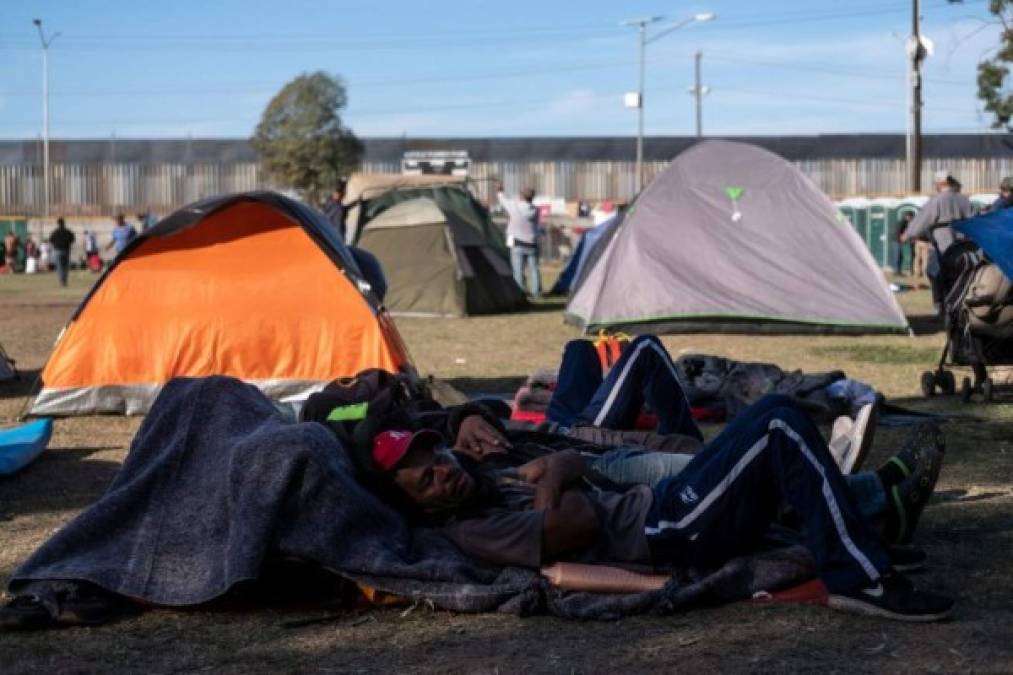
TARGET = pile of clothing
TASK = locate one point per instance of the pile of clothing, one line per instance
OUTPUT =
(531, 401)
(719, 388)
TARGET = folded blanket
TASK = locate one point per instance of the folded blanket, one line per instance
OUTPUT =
(216, 483)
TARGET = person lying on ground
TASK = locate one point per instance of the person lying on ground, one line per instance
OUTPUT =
(719, 506)
(645, 374)
(594, 416)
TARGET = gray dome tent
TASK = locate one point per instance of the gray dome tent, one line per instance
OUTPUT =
(733, 238)
(437, 263)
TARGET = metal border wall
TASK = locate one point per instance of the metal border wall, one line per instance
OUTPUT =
(88, 180)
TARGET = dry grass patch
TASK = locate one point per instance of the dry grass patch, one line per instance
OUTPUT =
(967, 530)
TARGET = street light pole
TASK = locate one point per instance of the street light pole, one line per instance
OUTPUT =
(639, 181)
(45, 119)
(698, 93)
(644, 40)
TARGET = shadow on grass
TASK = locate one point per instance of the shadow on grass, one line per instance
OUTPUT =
(61, 478)
(925, 324)
(545, 305)
(488, 385)
(993, 523)
(22, 386)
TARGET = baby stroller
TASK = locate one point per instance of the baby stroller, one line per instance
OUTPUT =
(977, 305)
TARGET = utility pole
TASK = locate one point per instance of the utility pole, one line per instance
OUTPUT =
(45, 119)
(639, 182)
(916, 53)
(698, 92)
(638, 99)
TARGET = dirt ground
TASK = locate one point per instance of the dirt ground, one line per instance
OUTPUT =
(966, 530)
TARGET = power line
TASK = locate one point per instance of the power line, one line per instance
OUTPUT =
(406, 109)
(465, 38)
(410, 108)
(791, 96)
(354, 84)
(828, 69)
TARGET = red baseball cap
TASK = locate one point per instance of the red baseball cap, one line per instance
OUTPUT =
(390, 447)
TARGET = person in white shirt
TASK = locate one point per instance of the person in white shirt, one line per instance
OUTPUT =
(522, 236)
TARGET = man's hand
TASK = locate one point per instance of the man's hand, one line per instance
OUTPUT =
(551, 475)
(478, 439)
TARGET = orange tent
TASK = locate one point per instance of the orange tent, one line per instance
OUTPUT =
(254, 285)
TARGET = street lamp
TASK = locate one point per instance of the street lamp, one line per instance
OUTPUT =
(637, 101)
(45, 117)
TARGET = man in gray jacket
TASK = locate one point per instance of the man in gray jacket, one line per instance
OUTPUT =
(522, 236)
(948, 205)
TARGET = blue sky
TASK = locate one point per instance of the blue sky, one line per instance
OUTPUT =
(478, 68)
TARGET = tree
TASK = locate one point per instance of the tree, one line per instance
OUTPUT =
(994, 83)
(301, 140)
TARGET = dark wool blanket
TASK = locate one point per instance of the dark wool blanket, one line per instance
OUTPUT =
(216, 483)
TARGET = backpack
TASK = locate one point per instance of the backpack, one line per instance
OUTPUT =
(610, 348)
(356, 408)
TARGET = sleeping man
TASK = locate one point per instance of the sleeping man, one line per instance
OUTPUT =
(720, 506)
(527, 498)
(198, 508)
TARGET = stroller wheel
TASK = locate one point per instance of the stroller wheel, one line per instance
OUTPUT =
(947, 382)
(966, 390)
(987, 390)
(929, 383)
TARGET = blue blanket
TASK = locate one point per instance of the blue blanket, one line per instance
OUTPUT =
(993, 232)
(217, 482)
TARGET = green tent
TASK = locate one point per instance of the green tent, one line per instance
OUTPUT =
(438, 263)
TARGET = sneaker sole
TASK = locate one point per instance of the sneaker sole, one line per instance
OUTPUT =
(865, 421)
(843, 603)
(924, 490)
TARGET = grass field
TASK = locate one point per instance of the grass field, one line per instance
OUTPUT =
(966, 530)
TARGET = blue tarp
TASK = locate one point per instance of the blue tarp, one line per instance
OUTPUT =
(572, 270)
(993, 232)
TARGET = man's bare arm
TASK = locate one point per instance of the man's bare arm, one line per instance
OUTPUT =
(551, 474)
(570, 521)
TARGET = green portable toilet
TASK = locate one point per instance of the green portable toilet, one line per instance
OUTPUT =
(909, 204)
(879, 231)
(856, 210)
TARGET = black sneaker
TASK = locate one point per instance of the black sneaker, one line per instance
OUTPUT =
(894, 597)
(908, 498)
(25, 612)
(906, 558)
(66, 604)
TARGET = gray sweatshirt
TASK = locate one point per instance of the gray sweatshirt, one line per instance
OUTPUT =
(523, 224)
(945, 207)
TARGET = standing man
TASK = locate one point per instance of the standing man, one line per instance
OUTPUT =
(522, 236)
(947, 206)
(62, 239)
(123, 234)
(334, 209)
